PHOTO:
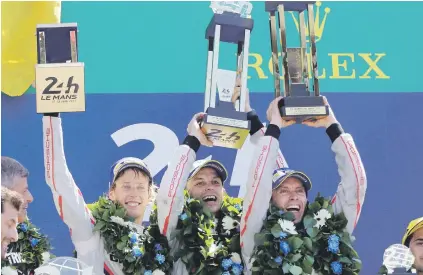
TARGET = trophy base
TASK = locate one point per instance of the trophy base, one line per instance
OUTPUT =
(226, 128)
(303, 108)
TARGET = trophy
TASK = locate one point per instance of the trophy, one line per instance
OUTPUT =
(398, 259)
(59, 77)
(224, 124)
(302, 101)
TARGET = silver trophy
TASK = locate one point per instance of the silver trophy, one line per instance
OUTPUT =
(398, 259)
(226, 125)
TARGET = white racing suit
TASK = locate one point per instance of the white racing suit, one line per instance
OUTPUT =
(70, 203)
(348, 199)
(170, 199)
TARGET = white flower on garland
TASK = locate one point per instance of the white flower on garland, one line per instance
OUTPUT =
(158, 272)
(321, 217)
(287, 226)
(236, 258)
(138, 228)
(213, 249)
(7, 270)
(46, 257)
(118, 220)
(228, 224)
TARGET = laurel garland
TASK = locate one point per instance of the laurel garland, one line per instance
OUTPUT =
(141, 251)
(319, 244)
(208, 244)
(34, 247)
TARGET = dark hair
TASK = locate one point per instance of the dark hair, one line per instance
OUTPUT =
(408, 240)
(10, 169)
(12, 197)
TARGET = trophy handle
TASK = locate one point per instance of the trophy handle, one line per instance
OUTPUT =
(313, 49)
(245, 54)
(282, 29)
(212, 66)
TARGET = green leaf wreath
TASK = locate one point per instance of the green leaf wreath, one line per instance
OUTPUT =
(34, 248)
(141, 251)
(209, 246)
(320, 243)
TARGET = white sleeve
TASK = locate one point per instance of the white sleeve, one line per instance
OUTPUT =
(351, 192)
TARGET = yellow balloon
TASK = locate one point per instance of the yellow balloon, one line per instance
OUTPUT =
(18, 41)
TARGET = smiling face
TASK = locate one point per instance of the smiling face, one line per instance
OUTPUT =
(132, 190)
(291, 196)
(207, 186)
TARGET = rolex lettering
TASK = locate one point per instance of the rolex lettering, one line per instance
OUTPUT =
(302, 100)
(59, 83)
(224, 124)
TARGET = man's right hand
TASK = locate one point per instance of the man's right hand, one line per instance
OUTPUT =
(194, 129)
(274, 115)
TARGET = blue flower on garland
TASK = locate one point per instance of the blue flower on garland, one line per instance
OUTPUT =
(183, 216)
(160, 258)
(278, 260)
(238, 207)
(226, 273)
(23, 227)
(333, 243)
(34, 241)
(282, 235)
(133, 238)
(136, 251)
(237, 269)
(284, 247)
(158, 247)
(281, 212)
(226, 264)
(336, 268)
(148, 272)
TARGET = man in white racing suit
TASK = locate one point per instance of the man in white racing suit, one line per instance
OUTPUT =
(183, 172)
(130, 184)
(289, 190)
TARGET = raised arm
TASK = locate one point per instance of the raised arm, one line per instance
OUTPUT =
(67, 197)
(349, 197)
(259, 184)
(257, 131)
(245, 154)
(351, 191)
(170, 199)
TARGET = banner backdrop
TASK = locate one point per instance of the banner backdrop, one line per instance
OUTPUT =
(160, 47)
(150, 126)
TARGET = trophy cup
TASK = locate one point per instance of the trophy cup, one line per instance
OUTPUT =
(59, 81)
(398, 259)
(224, 124)
(299, 103)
